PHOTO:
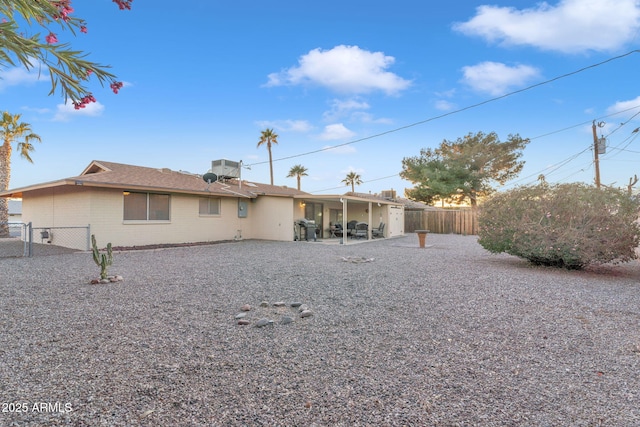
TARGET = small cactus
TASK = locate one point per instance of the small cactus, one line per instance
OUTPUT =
(103, 260)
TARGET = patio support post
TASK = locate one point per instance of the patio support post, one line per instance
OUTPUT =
(369, 222)
(344, 221)
(30, 237)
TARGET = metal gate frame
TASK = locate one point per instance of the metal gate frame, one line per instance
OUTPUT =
(27, 236)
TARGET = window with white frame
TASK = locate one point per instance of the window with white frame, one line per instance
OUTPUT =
(209, 206)
(146, 206)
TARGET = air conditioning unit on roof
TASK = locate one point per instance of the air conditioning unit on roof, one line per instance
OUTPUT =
(388, 194)
(225, 169)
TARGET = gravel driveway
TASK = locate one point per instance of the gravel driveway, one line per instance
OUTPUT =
(449, 335)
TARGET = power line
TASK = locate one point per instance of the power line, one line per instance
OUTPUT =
(564, 162)
(555, 167)
(454, 111)
(588, 122)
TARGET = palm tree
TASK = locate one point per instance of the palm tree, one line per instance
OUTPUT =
(268, 137)
(11, 130)
(297, 171)
(352, 179)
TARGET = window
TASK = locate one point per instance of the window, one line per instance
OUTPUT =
(314, 211)
(209, 206)
(146, 207)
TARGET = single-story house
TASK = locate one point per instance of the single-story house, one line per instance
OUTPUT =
(130, 205)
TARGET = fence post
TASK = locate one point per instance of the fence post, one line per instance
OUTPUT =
(88, 236)
(24, 236)
(30, 233)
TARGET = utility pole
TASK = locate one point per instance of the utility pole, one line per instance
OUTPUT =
(596, 160)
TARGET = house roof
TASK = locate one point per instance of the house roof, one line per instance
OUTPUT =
(413, 205)
(351, 197)
(368, 196)
(128, 177)
(407, 203)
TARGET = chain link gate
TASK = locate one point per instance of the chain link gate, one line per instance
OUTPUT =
(24, 240)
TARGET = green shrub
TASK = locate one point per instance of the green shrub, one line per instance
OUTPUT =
(565, 225)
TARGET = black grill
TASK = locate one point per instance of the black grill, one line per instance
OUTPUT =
(304, 229)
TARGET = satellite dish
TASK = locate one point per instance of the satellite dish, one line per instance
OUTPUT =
(210, 177)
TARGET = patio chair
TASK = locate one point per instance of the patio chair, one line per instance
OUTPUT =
(351, 228)
(362, 230)
(378, 232)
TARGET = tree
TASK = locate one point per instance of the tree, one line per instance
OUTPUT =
(12, 130)
(268, 137)
(465, 169)
(297, 171)
(352, 179)
(68, 69)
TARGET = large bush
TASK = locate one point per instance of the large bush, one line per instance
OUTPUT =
(565, 225)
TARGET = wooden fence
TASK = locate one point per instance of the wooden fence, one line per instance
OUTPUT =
(445, 221)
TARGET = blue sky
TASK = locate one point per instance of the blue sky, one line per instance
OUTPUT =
(378, 80)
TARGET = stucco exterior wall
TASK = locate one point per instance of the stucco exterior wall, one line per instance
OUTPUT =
(272, 218)
(185, 225)
(266, 218)
(59, 207)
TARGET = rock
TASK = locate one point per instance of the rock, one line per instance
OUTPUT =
(243, 322)
(296, 304)
(95, 281)
(357, 259)
(264, 322)
(302, 308)
(306, 313)
(286, 320)
(104, 280)
(264, 304)
(245, 307)
(279, 304)
(241, 315)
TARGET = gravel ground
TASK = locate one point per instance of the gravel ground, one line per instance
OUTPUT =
(449, 335)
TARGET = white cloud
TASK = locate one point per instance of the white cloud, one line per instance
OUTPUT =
(570, 26)
(66, 111)
(335, 132)
(444, 105)
(344, 69)
(20, 76)
(343, 108)
(630, 107)
(362, 117)
(349, 104)
(496, 78)
(353, 110)
(286, 125)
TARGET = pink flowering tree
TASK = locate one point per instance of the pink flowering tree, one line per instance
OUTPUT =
(69, 69)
